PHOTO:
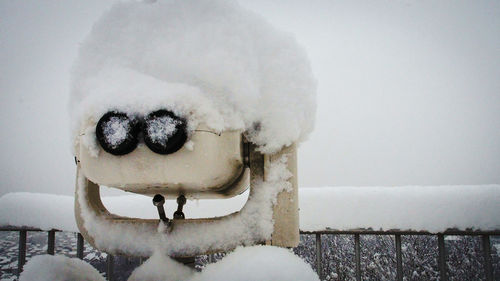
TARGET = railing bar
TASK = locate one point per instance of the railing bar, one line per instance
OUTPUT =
(51, 242)
(110, 267)
(210, 258)
(399, 259)
(22, 251)
(357, 256)
(442, 258)
(402, 232)
(79, 246)
(318, 255)
(488, 269)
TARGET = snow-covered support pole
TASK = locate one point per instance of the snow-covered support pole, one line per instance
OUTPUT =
(286, 208)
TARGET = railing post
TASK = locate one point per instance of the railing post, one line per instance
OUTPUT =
(488, 269)
(357, 256)
(22, 251)
(110, 267)
(399, 259)
(51, 242)
(318, 255)
(79, 246)
(442, 258)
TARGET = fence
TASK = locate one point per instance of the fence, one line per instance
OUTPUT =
(441, 258)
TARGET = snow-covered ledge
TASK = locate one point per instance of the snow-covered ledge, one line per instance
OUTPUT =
(407, 208)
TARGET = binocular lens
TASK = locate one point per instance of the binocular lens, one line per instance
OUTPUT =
(164, 132)
(117, 133)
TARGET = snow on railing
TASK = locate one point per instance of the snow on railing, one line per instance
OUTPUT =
(413, 208)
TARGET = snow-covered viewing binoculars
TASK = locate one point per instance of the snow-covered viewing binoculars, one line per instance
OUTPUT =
(189, 100)
(220, 165)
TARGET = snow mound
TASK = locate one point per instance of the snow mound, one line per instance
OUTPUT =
(161, 267)
(206, 61)
(59, 268)
(258, 263)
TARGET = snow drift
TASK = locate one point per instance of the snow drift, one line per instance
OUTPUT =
(206, 61)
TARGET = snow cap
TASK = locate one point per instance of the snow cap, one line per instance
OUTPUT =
(210, 62)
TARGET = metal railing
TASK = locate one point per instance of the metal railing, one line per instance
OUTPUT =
(51, 242)
(441, 258)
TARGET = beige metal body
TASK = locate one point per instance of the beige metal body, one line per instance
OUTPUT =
(212, 169)
(230, 177)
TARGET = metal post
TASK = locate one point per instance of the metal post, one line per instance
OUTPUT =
(399, 259)
(110, 267)
(318, 255)
(79, 246)
(51, 242)
(22, 251)
(357, 257)
(442, 258)
(488, 269)
(210, 258)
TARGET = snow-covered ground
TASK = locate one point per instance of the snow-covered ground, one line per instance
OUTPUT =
(419, 208)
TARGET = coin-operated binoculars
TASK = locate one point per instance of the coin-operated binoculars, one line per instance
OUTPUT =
(189, 100)
(220, 165)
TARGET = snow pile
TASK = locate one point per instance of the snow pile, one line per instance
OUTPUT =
(419, 208)
(206, 61)
(161, 267)
(253, 224)
(58, 268)
(258, 263)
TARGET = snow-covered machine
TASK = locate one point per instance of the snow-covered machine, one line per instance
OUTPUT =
(221, 166)
(189, 100)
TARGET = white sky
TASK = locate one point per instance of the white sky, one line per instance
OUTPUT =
(408, 91)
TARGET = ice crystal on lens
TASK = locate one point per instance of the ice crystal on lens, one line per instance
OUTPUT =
(116, 130)
(160, 129)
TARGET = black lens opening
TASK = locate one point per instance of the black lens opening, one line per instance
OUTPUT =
(117, 133)
(164, 132)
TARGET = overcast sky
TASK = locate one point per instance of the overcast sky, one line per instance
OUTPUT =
(408, 91)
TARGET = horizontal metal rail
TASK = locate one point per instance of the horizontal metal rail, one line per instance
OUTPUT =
(368, 231)
(441, 258)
